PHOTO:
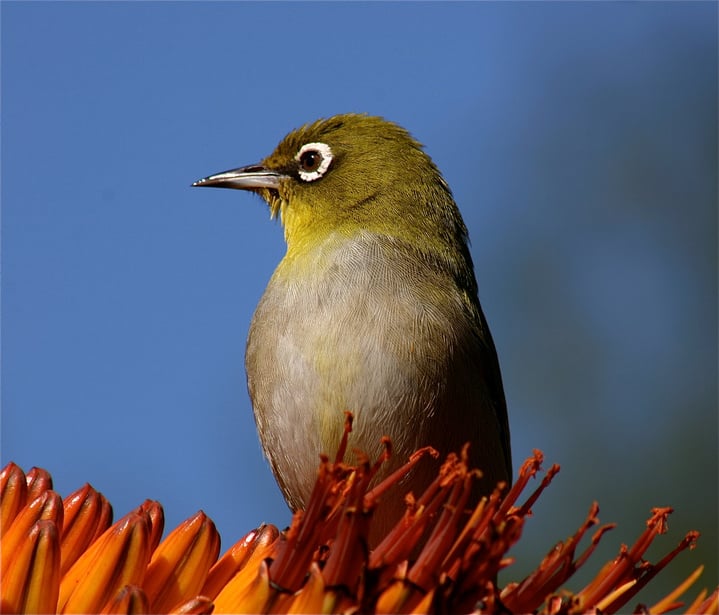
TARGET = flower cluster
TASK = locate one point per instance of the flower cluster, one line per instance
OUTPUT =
(66, 556)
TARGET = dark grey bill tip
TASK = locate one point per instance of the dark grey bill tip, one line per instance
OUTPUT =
(245, 178)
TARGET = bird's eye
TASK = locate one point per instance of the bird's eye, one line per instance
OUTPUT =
(310, 160)
(313, 160)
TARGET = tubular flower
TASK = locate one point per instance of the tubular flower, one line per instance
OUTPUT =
(65, 556)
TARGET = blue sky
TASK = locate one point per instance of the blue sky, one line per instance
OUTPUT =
(580, 140)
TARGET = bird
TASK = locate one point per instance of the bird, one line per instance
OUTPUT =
(374, 309)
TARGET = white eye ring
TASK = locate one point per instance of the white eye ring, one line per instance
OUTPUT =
(323, 151)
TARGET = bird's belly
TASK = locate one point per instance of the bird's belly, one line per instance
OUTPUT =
(379, 348)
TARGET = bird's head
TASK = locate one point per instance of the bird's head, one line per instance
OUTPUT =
(349, 173)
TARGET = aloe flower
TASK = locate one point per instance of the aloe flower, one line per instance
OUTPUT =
(66, 556)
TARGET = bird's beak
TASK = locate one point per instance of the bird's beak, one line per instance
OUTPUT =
(245, 178)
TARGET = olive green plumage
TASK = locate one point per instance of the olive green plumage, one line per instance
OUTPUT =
(373, 309)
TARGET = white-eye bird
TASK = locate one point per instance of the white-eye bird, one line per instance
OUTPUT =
(373, 309)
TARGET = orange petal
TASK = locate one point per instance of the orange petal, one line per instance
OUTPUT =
(154, 511)
(38, 481)
(668, 602)
(395, 597)
(180, 564)
(616, 594)
(13, 494)
(87, 516)
(249, 591)
(119, 557)
(235, 587)
(311, 597)
(130, 600)
(48, 506)
(426, 604)
(201, 605)
(703, 604)
(237, 557)
(32, 580)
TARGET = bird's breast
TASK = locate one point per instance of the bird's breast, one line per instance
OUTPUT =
(364, 326)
